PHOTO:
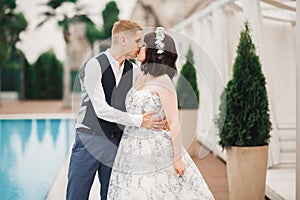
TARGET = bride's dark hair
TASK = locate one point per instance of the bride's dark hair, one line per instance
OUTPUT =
(159, 64)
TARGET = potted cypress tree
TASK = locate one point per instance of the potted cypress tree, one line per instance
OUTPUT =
(244, 123)
(188, 102)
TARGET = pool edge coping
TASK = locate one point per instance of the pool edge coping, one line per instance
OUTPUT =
(38, 116)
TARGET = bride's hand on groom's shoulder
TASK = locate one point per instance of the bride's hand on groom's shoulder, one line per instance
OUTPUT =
(179, 167)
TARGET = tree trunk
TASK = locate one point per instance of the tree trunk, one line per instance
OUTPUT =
(22, 82)
(0, 88)
(67, 80)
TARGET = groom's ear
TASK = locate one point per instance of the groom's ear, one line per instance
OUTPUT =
(122, 40)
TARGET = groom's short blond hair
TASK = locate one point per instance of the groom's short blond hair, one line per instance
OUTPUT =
(124, 25)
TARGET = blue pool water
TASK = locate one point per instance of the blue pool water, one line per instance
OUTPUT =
(31, 155)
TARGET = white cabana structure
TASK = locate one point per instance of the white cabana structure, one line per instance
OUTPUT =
(216, 29)
(212, 28)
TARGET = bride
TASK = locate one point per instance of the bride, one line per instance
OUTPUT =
(153, 164)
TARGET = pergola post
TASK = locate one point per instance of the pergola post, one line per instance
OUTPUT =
(298, 101)
(252, 13)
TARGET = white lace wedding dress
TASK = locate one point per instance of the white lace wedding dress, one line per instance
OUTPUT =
(143, 167)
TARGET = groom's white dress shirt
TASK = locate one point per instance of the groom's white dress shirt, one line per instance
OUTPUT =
(92, 88)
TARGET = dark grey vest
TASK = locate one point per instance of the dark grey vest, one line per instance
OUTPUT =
(114, 96)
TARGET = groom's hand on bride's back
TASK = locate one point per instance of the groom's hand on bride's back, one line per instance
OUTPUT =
(153, 123)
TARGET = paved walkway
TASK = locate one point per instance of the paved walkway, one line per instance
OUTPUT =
(34, 109)
(212, 168)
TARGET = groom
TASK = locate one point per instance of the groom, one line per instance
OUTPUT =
(105, 81)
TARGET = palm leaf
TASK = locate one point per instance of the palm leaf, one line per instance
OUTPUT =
(42, 22)
(57, 3)
(81, 18)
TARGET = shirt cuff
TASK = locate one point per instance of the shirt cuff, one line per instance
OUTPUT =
(137, 120)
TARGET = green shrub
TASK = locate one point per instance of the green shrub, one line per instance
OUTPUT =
(243, 118)
(187, 87)
(43, 80)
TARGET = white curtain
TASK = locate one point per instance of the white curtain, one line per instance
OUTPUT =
(215, 37)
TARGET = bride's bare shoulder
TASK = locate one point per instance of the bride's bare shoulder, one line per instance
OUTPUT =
(166, 82)
(165, 79)
(139, 81)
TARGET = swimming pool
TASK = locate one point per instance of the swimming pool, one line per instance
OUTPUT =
(31, 154)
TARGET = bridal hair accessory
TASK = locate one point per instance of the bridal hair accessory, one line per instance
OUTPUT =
(159, 37)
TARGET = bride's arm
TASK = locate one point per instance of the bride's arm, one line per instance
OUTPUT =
(168, 98)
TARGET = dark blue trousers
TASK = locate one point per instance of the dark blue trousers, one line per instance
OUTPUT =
(83, 166)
